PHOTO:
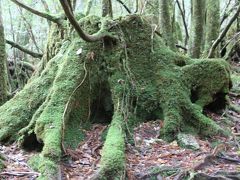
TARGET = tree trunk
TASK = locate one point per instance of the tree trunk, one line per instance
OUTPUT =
(197, 28)
(212, 24)
(125, 82)
(165, 23)
(3, 64)
(107, 8)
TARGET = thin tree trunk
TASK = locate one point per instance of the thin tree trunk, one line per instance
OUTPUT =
(88, 7)
(74, 4)
(212, 24)
(197, 28)
(165, 23)
(3, 64)
(223, 33)
(107, 8)
(45, 5)
(182, 11)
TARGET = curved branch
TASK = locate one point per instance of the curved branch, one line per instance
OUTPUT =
(222, 35)
(86, 37)
(31, 53)
(38, 13)
(125, 6)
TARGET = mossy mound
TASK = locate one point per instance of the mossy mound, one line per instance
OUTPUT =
(2, 165)
(131, 78)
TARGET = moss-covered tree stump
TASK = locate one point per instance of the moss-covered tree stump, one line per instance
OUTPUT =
(132, 78)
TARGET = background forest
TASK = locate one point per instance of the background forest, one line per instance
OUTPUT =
(30, 31)
(120, 89)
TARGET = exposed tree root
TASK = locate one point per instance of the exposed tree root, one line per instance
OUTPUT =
(140, 79)
(2, 164)
(113, 152)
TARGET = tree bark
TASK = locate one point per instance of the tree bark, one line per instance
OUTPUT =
(212, 24)
(197, 28)
(31, 53)
(3, 64)
(223, 33)
(107, 8)
(165, 23)
(38, 13)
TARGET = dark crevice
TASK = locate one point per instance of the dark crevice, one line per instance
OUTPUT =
(194, 96)
(218, 103)
(30, 143)
(102, 106)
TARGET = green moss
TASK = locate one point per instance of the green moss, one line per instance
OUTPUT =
(165, 24)
(197, 28)
(113, 152)
(156, 79)
(2, 165)
(3, 67)
(236, 82)
(48, 168)
(164, 171)
(17, 113)
(146, 80)
(212, 24)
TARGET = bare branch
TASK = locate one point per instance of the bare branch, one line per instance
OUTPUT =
(31, 53)
(45, 5)
(29, 30)
(125, 6)
(26, 65)
(235, 37)
(181, 47)
(225, 13)
(184, 22)
(38, 13)
(222, 34)
(87, 37)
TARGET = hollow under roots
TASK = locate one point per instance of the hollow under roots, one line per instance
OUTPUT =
(134, 77)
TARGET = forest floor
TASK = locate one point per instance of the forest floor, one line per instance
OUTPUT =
(147, 157)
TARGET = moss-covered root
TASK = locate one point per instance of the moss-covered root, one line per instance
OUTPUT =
(112, 164)
(2, 159)
(178, 120)
(49, 124)
(17, 113)
(207, 78)
(204, 125)
(201, 82)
